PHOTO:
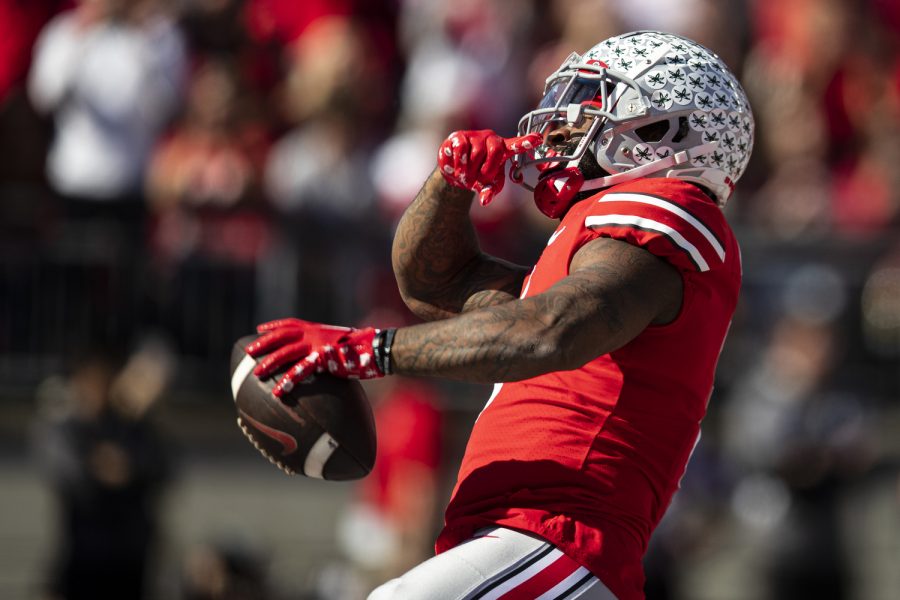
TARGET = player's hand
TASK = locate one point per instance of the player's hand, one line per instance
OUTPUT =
(312, 348)
(474, 160)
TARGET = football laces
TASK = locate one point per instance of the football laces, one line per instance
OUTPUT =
(262, 450)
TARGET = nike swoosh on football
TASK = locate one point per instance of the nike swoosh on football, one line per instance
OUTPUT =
(287, 441)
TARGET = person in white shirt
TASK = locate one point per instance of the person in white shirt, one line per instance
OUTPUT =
(111, 72)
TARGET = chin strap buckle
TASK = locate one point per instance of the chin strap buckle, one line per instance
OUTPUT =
(554, 193)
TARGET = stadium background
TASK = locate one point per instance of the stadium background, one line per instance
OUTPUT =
(295, 135)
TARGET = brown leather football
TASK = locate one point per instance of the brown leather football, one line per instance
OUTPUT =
(323, 428)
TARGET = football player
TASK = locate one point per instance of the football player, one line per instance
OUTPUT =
(602, 354)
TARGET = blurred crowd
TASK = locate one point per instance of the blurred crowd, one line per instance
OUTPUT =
(187, 168)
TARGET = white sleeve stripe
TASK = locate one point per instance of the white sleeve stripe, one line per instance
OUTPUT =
(672, 208)
(642, 223)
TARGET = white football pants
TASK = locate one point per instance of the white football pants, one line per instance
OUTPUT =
(497, 563)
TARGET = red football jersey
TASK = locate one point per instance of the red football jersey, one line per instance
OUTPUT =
(590, 458)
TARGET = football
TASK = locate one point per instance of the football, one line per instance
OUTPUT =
(323, 428)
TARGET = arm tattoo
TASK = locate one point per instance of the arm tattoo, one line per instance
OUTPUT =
(613, 292)
(438, 263)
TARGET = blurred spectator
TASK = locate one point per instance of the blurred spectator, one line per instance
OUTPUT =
(317, 174)
(208, 215)
(111, 73)
(391, 526)
(224, 571)
(208, 168)
(866, 188)
(318, 182)
(219, 28)
(825, 100)
(465, 62)
(333, 69)
(798, 433)
(465, 70)
(106, 465)
(286, 20)
(881, 307)
(332, 97)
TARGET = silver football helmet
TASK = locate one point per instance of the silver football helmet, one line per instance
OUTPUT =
(659, 105)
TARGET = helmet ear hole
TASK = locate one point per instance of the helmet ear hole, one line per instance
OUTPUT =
(653, 132)
(683, 129)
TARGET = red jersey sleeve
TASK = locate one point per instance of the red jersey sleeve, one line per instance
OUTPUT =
(673, 220)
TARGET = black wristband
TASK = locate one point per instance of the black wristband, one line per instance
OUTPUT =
(381, 348)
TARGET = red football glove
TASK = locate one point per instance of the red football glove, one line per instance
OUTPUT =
(474, 160)
(315, 348)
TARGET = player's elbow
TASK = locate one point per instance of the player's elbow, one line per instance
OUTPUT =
(425, 309)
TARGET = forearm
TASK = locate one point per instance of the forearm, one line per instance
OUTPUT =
(433, 245)
(506, 342)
